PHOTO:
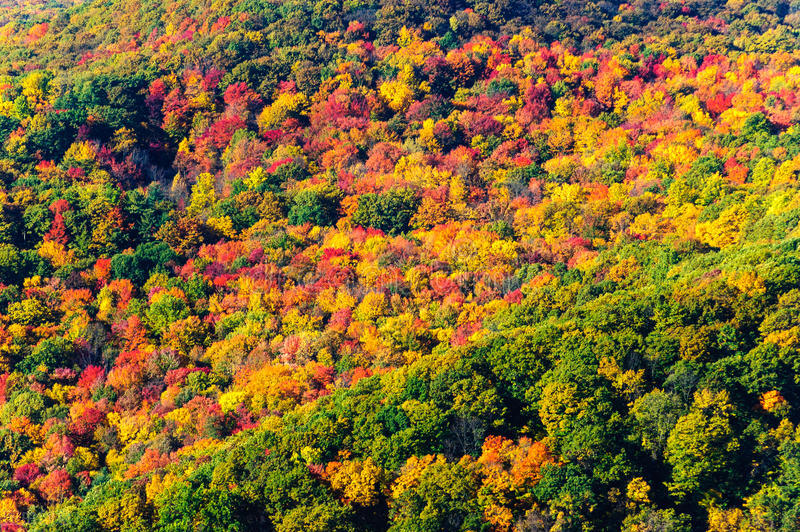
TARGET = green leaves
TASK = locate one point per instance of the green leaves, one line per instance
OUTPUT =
(702, 446)
(318, 206)
(391, 212)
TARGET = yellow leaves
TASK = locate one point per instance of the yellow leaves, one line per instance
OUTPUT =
(399, 330)
(204, 194)
(647, 224)
(132, 427)
(749, 283)
(23, 425)
(786, 172)
(223, 225)
(183, 418)
(201, 447)
(372, 342)
(369, 271)
(81, 152)
(56, 253)
(256, 176)
(411, 472)
(59, 392)
(406, 37)
(570, 64)
(725, 230)
(229, 401)
(360, 482)
(87, 459)
(272, 387)
(286, 105)
(119, 513)
(620, 100)
(630, 383)
(417, 279)
(184, 146)
(779, 83)
(17, 145)
(680, 149)
(733, 119)
(412, 168)
(690, 104)
(587, 132)
(730, 520)
(623, 270)
(254, 36)
(326, 300)
(649, 103)
(559, 402)
(337, 240)
(397, 94)
(158, 484)
(504, 250)
(124, 139)
(563, 106)
(512, 130)
(683, 217)
(7, 32)
(29, 311)
(560, 136)
(426, 136)
(9, 513)
(566, 193)
(784, 338)
(638, 491)
(34, 87)
(295, 322)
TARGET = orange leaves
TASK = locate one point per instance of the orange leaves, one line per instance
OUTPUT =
(508, 471)
(151, 460)
(56, 486)
(128, 370)
(517, 464)
(36, 32)
(772, 401)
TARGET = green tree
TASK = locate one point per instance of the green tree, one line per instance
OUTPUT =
(702, 446)
(318, 206)
(390, 212)
(51, 353)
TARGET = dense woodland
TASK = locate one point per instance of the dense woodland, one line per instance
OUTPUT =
(399, 265)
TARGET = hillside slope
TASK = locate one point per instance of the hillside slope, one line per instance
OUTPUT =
(399, 265)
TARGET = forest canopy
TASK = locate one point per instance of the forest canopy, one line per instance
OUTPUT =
(399, 265)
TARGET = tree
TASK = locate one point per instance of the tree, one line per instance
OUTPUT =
(701, 448)
(390, 212)
(51, 353)
(434, 494)
(318, 206)
(655, 413)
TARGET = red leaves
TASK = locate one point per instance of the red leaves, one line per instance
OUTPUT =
(221, 23)
(27, 473)
(737, 173)
(241, 100)
(220, 133)
(479, 124)
(176, 377)
(83, 428)
(719, 103)
(58, 230)
(56, 486)
(91, 377)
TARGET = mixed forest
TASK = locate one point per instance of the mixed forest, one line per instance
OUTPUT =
(407, 265)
